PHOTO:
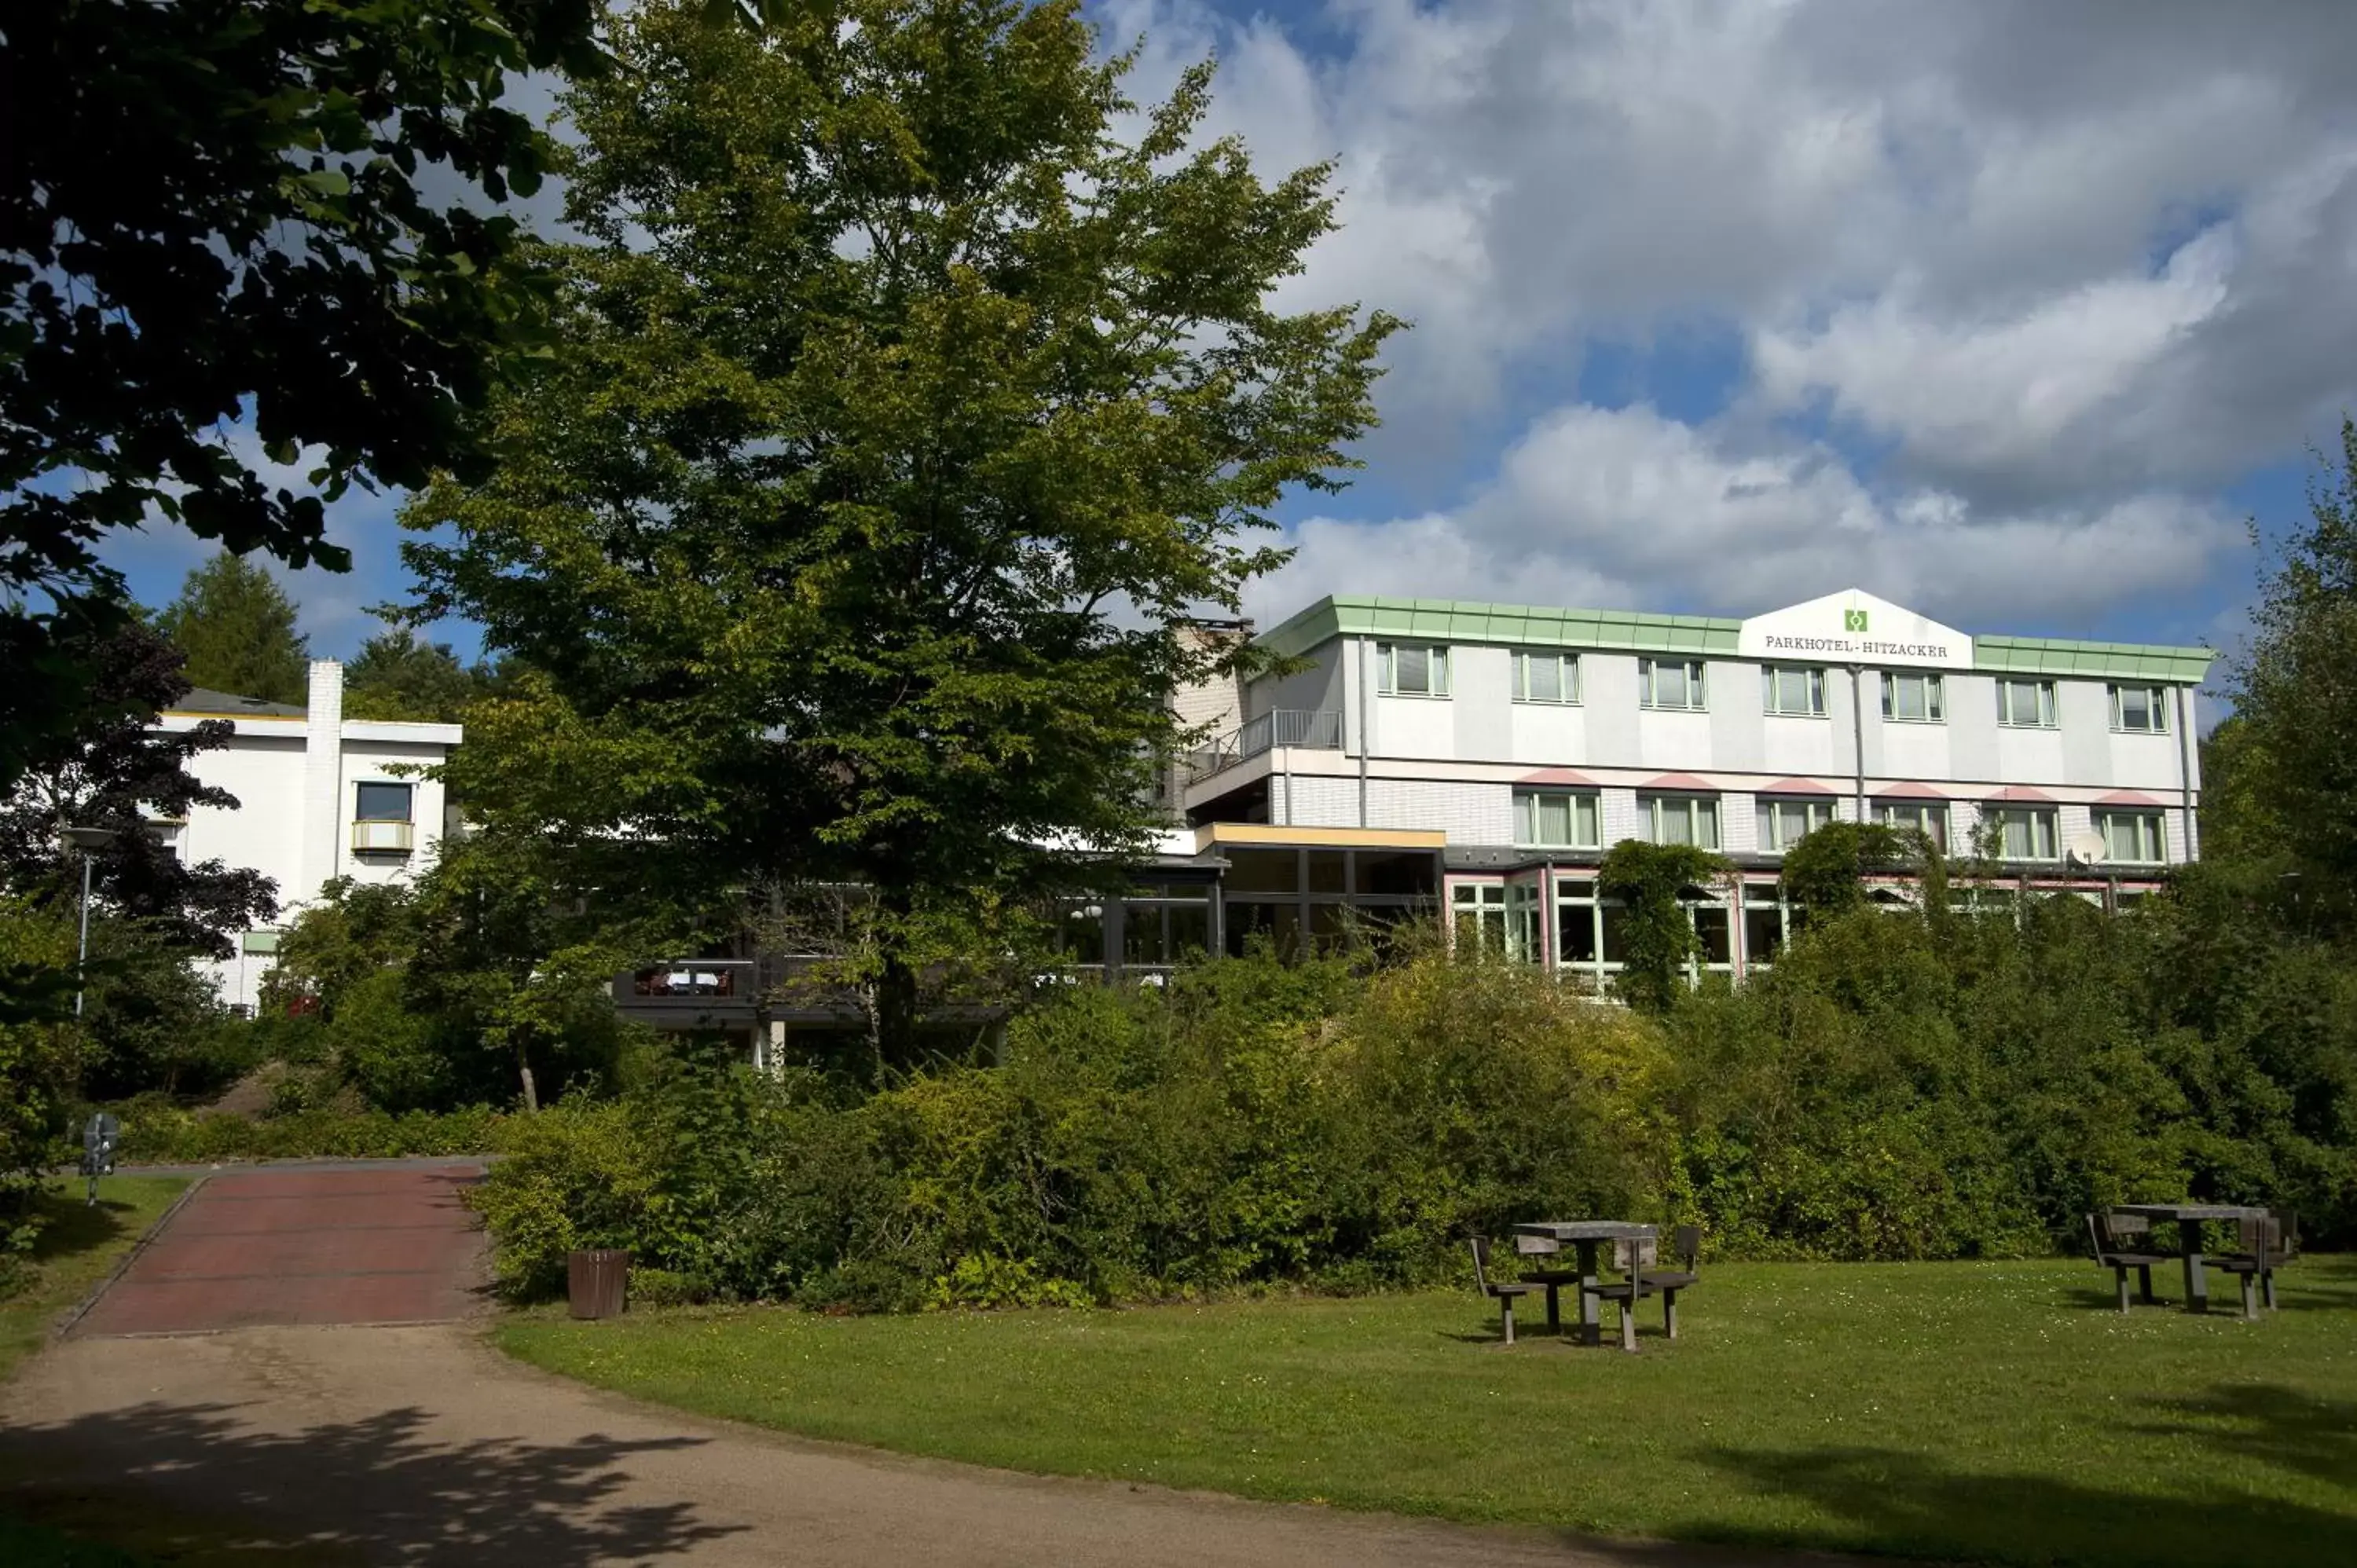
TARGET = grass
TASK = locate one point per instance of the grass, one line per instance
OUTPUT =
(1981, 1412)
(77, 1248)
(36, 1546)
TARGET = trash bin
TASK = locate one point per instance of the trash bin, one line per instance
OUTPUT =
(597, 1282)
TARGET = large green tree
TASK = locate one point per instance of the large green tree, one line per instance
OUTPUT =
(901, 406)
(279, 217)
(2293, 753)
(236, 627)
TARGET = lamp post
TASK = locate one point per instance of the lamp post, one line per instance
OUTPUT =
(90, 841)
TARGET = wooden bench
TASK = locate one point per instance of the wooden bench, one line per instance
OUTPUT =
(1506, 1292)
(2110, 1233)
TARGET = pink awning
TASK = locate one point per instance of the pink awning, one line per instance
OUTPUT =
(1558, 775)
(2022, 793)
(1796, 787)
(1686, 781)
(2127, 798)
(1910, 791)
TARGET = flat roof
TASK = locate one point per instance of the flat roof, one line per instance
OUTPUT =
(1636, 631)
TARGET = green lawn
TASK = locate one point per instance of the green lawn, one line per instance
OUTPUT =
(1965, 1411)
(76, 1251)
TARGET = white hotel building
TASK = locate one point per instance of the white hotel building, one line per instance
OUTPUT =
(318, 798)
(1515, 744)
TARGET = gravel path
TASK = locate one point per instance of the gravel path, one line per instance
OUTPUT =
(421, 1444)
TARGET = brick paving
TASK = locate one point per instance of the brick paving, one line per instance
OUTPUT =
(280, 1248)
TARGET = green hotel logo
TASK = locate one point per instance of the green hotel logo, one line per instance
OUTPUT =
(1853, 620)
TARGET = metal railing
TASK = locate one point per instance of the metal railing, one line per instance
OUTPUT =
(1318, 729)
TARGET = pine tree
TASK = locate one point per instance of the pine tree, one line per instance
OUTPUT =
(399, 675)
(237, 626)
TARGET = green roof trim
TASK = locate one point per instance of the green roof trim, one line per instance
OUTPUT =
(2112, 661)
(1522, 626)
(1629, 631)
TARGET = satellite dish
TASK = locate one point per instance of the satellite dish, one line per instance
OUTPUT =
(2086, 849)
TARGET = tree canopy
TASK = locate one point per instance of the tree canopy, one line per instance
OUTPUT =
(233, 232)
(899, 407)
(399, 675)
(235, 626)
(2292, 753)
(114, 773)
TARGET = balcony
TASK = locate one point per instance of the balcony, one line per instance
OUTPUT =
(382, 838)
(1318, 729)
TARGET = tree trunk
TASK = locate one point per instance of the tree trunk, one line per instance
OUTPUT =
(895, 1017)
(530, 1094)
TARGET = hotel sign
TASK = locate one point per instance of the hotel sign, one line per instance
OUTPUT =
(1853, 628)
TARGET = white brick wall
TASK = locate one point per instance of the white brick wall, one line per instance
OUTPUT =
(1468, 814)
(1320, 802)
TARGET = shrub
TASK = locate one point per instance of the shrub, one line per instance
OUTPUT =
(156, 1132)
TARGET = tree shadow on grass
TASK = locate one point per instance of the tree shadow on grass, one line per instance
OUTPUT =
(190, 1483)
(1912, 1505)
(70, 1226)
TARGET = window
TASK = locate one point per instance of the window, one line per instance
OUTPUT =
(1680, 819)
(380, 803)
(1554, 819)
(2133, 837)
(2024, 832)
(1785, 822)
(1546, 677)
(1929, 817)
(1589, 933)
(1525, 937)
(2140, 710)
(1798, 693)
(2025, 704)
(1412, 670)
(1480, 915)
(1765, 922)
(1672, 683)
(1914, 700)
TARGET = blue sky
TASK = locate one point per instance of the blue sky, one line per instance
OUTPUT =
(2007, 312)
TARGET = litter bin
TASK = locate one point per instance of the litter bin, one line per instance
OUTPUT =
(597, 1282)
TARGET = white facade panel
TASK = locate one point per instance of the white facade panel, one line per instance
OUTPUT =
(1549, 734)
(1416, 726)
(1803, 746)
(1918, 751)
(1675, 743)
(1467, 812)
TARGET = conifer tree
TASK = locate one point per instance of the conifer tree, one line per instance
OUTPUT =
(237, 626)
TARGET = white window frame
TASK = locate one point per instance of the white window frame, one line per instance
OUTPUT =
(408, 788)
(2045, 704)
(1771, 698)
(1817, 810)
(1527, 818)
(1436, 669)
(1697, 685)
(1926, 812)
(1935, 698)
(2042, 826)
(1567, 675)
(2152, 832)
(2159, 698)
(1697, 809)
(1484, 905)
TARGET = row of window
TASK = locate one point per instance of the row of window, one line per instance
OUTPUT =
(1681, 685)
(1573, 818)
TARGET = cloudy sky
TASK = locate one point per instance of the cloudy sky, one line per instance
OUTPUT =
(2009, 311)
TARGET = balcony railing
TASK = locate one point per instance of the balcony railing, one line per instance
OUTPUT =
(1318, 729)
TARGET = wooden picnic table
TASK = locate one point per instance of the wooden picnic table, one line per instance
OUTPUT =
(1583, 1236)
(2190, 1218)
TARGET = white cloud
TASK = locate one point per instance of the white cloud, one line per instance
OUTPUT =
(2056, 273)
(1627, 509)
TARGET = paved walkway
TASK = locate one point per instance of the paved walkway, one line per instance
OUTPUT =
(423, 1444)
(325, 1244)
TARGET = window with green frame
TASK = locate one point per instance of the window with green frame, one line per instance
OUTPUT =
(2025, 704)
(1411, 669)
(1673, 685)
(2140, 710)
(2133, 838)
(1680, 819)
(1557, 818)
(1548, 677)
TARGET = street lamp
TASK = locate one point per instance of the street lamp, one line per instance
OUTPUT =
(90, 841)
